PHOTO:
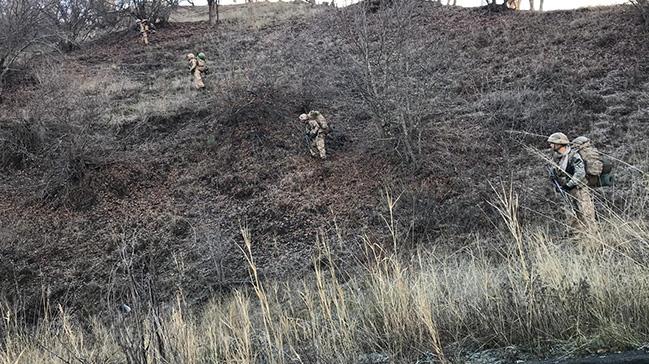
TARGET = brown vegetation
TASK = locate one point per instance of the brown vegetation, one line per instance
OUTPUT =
(121, 184)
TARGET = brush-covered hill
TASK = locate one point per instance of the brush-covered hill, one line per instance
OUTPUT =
(115, 173)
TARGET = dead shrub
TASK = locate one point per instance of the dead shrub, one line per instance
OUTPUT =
(21, 141)
(387, 75)
(642, 7)
(20, 35)
(54, 138)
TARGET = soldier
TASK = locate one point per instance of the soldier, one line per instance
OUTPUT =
(195, 71)
(317, 131)
(201, 63)
(144, 30)
(570, 172)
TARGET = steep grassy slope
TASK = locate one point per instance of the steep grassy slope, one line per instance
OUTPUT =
(123, 176)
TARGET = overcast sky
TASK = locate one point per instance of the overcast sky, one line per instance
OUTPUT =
(548, 4)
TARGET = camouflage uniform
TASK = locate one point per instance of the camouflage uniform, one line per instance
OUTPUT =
(144, 30)
(572, 176)
(317, 131)
(195, 69)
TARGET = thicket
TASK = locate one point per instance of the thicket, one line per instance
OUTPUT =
(33, 29)
(642, 7)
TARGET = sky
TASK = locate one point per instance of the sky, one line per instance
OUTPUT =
(548, 4)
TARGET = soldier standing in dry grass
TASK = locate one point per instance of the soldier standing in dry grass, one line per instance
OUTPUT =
(196, 67)
(318, 128)
(570, 171)
(144, 30)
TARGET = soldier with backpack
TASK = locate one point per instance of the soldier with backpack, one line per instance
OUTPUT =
(197, 66)
(318, 128)
(569, 174)
(143, 24)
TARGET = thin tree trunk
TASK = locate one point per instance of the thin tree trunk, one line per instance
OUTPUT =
(532, 5)
(213, 11)
(540, 5)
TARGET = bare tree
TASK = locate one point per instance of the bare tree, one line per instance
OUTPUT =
(386, 73)
(541, 5)
(21, 32)
(642, 6)
(156, 11)
(213, 7)
(76, 20)
(532, 5)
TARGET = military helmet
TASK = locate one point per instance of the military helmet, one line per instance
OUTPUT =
(304, 117)
(580, 140)
(559, 138)
(190, 56)
(314, 114)
(201, 55)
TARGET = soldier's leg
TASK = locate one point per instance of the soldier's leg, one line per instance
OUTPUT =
(145, 38)
(571, 209)
(199, 80)
(320, 144)
(586, 208)
(313, 147)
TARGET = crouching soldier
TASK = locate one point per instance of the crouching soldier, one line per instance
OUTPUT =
(317, 130)
(570, 177)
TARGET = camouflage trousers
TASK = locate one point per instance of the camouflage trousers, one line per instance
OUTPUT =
(198, 80)
(317, 146)
(581, 213)
(145, 38)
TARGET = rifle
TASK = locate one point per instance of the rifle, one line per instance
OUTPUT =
(552, 174)
(307, 136)
(307, 140)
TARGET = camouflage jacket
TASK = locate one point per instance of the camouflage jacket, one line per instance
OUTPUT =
(314, 127)
(575, 173)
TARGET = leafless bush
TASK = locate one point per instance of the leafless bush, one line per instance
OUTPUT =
(156, 11)
(76, 20)
(642, 6)
(387, 71)
(54, 134)
(20, 143)
(20, 33)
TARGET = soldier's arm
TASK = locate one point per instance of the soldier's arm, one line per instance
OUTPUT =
(314, 128)
(580, 173)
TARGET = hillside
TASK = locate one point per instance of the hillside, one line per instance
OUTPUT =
(114, 171)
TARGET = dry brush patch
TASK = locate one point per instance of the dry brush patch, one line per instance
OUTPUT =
(537, 294)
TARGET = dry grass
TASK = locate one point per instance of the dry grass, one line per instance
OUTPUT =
(538, 293)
